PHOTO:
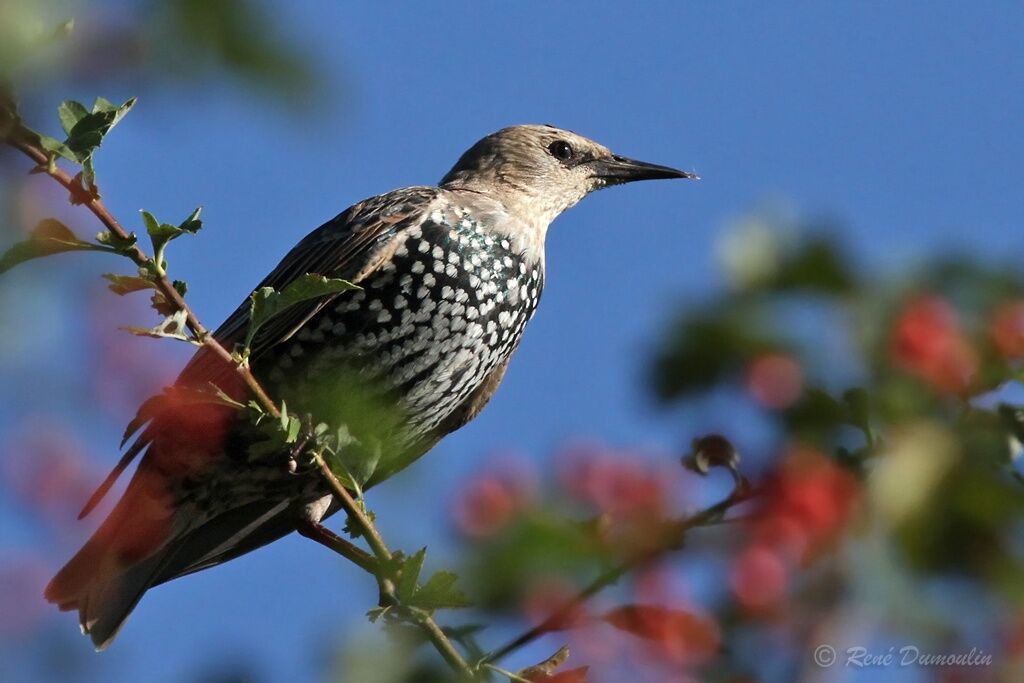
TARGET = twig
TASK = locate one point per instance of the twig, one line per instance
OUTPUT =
(20, 139)
(385, 559)
(327, 538)
(674, 538)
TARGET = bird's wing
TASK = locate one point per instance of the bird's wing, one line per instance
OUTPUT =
(347, 247)
(350, 246)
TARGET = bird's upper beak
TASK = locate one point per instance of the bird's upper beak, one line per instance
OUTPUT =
(616, 169)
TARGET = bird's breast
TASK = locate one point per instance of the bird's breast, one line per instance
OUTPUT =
(445, 309)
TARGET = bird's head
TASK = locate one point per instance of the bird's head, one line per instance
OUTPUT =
(540, 171)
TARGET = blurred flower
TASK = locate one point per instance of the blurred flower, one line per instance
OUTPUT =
(806, 502)
(753, 246)
(613, 483)
(759, 577)
(633, 497)
(548, 597)
(46, 468)
(492, 500)
(675, 635)
(927, 341)
(22, 578)
(910, 468)
(1007, 329)
(775, 380)
(127, 370)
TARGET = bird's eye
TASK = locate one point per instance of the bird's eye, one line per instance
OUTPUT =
(561, 150)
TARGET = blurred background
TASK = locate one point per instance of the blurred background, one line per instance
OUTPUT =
(840, 295)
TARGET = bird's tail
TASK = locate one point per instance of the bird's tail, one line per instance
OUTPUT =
(140, 545)
(107, 577)
(103, 593)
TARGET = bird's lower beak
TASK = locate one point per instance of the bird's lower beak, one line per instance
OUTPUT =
(616, 169)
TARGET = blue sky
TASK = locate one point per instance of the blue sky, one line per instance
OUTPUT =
(900, 120)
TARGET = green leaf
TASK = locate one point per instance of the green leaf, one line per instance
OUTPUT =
(104, 106)
(410, 576)
(87, 179)
(439, 592)
(267, 302)
(160, 234)
(89, 130)
(70, 113)
(49, 237)
(126, 284)
(116, 242)
(192, 224)
(56, 147)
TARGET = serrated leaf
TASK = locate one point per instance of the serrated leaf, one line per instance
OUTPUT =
(56, 147)
(70, 113)
(410, 575)
(160, 234)
(103, 105)
(267, 302)
(439, 592)
(192, 224)
(85, 133)
(119, 244)
(49, 237)
(292, 429)
(171, 327)
(126, 284)
(227, 400)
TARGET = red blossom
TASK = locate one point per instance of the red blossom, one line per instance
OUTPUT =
(547, 598)
(927, 341)
(759, 577)
(126, 371)
(775, 380)
(48, 470)
(1007, 329)
(22, 578)
(492, 500)
(806, 503)
(614, 483)
(676, 635)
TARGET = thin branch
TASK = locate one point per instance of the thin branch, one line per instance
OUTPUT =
(355, 511)
(21, 139)
(673, 540)
(327, 538)
(385, 559)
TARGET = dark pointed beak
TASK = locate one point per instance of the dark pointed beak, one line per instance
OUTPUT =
(617, 169)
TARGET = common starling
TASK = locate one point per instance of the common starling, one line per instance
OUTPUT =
(448, 275)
